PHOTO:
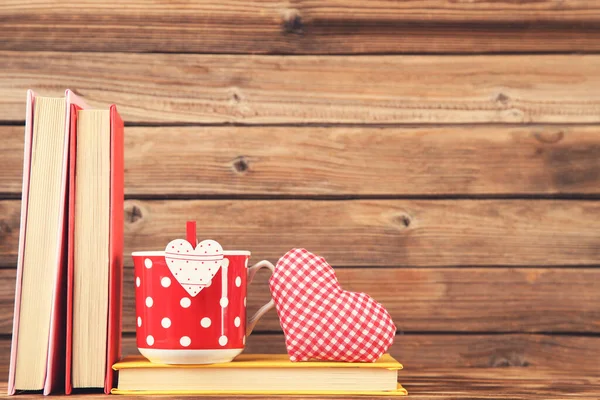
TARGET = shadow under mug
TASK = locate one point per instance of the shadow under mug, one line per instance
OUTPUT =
(174, 327)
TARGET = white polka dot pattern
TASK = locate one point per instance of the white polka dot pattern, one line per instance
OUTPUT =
(322, 321)
(169, 317)
(185, 302)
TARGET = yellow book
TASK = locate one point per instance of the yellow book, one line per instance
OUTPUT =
(260, 374)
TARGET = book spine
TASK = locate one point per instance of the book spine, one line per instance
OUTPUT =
(115, 295)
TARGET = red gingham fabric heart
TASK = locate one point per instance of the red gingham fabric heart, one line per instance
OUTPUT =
(322, 321)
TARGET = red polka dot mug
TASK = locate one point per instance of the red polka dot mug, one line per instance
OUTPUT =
(191, 303)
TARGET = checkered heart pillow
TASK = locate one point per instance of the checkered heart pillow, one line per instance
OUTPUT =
(322, 321)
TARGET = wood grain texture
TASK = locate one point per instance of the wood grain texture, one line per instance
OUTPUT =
(454, 160)
(455, 383)
(185, 88)
(456, 299)
(11, 159)
(464, 384)
(504, 383)
(302, 26)
(434, 300)
(424, 352)
(366, 232)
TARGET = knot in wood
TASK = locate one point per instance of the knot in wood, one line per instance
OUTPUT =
(133, 214)
(402, 220)
(508, 360)
(241, 165)
(405, 221)
(292, 22)
(502, 98)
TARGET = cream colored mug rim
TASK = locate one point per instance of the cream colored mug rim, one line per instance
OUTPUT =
(162, 253)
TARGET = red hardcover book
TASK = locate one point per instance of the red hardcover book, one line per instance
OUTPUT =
(115, 251)
(71, 236)
(115, 306)
(53, 344)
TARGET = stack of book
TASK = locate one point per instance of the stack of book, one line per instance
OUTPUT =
(67, 320)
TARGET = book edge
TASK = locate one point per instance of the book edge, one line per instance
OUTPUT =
(132, 362)
(400, 391)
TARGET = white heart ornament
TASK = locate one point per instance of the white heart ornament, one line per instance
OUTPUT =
(194, 268)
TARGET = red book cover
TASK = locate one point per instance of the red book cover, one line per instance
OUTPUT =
(115, 289)
(71, 250)
(115, 293)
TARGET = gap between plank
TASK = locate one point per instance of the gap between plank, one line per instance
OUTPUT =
(350, 197)
(578, 267)
(408, 125)
(341, 54)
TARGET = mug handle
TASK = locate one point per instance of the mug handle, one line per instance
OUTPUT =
(261, 311)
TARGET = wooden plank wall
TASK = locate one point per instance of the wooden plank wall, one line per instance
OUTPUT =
(444, 156)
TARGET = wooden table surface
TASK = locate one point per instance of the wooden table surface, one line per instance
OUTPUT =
(463, 384)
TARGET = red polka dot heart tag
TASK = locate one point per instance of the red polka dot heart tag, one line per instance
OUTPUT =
(191, 302)
(322, 321)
